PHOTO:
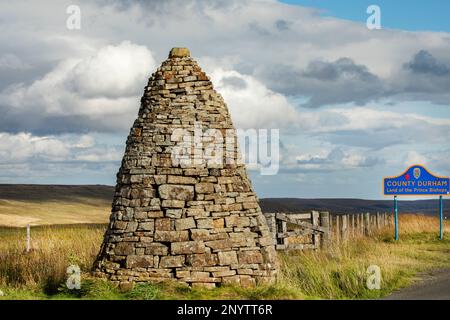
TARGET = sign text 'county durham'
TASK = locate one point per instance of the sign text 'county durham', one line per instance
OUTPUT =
(416, 181)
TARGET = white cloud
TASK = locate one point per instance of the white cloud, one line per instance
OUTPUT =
(257, 52)
(251, 103)
(104, 87)
(414, 157)
(335, 159)
(24, 146)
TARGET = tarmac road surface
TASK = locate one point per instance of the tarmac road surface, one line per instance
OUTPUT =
(432, 286)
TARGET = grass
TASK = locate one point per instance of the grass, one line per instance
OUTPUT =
(19, 213)
(339, 273)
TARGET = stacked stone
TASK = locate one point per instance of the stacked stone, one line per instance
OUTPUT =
(201, 224)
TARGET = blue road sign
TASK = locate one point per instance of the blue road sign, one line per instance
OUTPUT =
(416, 181)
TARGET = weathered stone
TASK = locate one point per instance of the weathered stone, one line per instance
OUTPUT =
(120, 225)
(249, 257)
(201, 260)
(227, 273)
(205, 234)
(131, 226)
(124, 249)
(220, 244)
(174, 213)
(247, 281)
(156, 249)
(183, 274)
(171, 236)
(146, 226)
(179, 53)
(227, 258)
(187, 247)
(171, 261)
(184, 224)
(135, 261)
(172, 204)
(163, 224)
(237, 221)
(196, 212)
(204, 187)
(176, 192)
(181, 180)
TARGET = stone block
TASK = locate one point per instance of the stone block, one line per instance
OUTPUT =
(204, 187)
(176, 192)
(250, 257)
(172, 204)
(135, 261)
(124, 248)
(171, 262)
(227, 258)
(171, 236)
(187, 247)
(181, 180)
(156, 249)
(174, 213)
(201, 260)
(227, 273)
(163, 224)
(237, 221)
(219, 244)
(184, 223)
(147, 226)
(196, 212)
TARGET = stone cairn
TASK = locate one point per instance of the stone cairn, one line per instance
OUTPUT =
(198, 224)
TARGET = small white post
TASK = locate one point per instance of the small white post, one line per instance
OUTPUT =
(28, 238)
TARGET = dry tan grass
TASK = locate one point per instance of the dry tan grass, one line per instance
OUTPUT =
(53, 250)
(341, 272)
(409, 223)
(338, 273)
(15, 213)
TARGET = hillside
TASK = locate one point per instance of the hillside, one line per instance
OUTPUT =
(65, 204)
(428, 207)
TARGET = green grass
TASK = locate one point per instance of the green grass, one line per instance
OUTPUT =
(339, 273)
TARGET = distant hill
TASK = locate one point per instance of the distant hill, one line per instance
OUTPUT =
(428, 207)
(43, 192)
(94, 194)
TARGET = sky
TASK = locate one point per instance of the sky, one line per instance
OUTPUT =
(352, 104)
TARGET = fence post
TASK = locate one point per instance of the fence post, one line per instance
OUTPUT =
(325, 223)
(353, 226)
(344, 227)
(315, 222)
(367, 224)
(281, 227)
(28, 238)
(361, 227)
(272, 224)
(338, 229)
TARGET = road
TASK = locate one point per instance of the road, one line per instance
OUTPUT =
(434, 286)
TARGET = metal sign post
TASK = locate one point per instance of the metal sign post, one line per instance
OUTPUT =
(396, 218)
(441, 218)
(417, 181)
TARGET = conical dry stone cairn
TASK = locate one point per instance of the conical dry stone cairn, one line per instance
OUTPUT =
(177, 214)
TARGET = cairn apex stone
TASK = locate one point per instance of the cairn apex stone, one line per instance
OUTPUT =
(181, 212)
(179, 53)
